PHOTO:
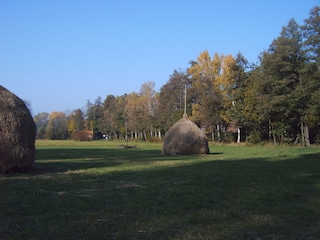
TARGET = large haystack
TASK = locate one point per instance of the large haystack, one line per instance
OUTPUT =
(183, 138)
(17, 134)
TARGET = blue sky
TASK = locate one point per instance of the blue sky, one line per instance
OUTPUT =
(57, 54)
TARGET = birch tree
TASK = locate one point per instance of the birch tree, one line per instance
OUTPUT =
(233, 86)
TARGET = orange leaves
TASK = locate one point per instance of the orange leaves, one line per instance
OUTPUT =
(212, 72)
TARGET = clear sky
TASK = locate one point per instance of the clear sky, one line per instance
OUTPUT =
(57, 54)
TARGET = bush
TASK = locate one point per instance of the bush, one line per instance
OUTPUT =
(254, 138)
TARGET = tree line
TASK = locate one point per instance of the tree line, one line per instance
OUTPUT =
(232, 100)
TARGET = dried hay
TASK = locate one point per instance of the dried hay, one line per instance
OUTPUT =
(17, 134)
(184, 138)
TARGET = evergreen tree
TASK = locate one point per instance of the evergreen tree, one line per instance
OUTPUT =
(282, 66)
(171, 99)
(310, 83)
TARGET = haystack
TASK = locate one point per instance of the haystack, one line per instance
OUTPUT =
(17, 134)
(183, 138)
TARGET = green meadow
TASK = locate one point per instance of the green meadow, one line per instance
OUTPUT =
(97, 190)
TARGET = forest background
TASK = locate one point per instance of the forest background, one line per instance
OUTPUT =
(232, 100)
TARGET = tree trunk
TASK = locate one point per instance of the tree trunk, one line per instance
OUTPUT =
(159, 134)
(270, 130)
(303, 143)
(144, 135)
(271, 133)
(212, 134)
(274, 139)
(239, 134)
(297, 139)
(218, 132)
(306, 133)
(115, 134)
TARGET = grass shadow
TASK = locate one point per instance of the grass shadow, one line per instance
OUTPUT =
(257, 198)
(60, 160)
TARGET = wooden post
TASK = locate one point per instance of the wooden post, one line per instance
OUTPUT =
(185, 102)
(185, 99)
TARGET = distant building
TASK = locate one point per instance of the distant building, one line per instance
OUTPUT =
(83, 135)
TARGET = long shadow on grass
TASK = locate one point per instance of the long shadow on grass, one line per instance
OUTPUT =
(233, 199)
(258, 198)
(240, 199)
(61, 160)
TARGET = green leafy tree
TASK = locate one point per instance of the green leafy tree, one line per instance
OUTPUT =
(95, 117)
(309, 86)
(171, 99)
(118, 118)
(109, 106)
(311, 33)
(282, 66)
(255, 110)
(41, 121)
(236, 75)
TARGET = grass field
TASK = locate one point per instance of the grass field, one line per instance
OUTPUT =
(96, 190)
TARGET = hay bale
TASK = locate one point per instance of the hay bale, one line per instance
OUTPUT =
(17, 134)
(183, 138)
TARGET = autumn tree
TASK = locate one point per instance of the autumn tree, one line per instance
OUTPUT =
(118, 118)
(205, 92)
(57, 126)
(140, 110)
(133, 114)
(109, 107)
(75, 121)
(149, 103)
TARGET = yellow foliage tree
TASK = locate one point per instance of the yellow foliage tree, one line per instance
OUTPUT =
(205, 73)
(72, 126)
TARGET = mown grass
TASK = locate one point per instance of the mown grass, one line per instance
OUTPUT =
(96, 190)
